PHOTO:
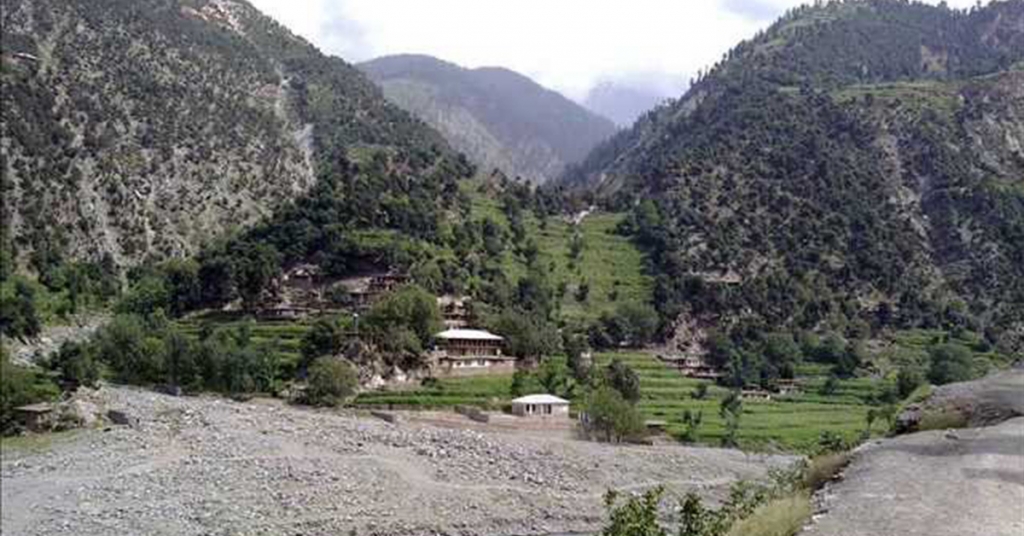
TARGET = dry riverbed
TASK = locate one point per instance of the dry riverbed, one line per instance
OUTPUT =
(213, 466)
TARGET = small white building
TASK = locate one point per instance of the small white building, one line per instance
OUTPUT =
(540, 406)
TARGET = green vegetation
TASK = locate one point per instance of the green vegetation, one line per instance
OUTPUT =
(793, 422)
(331, 381)
(835, 115)
(608, 263)
(20, 386)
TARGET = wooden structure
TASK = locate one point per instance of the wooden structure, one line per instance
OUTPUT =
(541, 406)
(695, 367)
(36, 417)
(467, 352)
(455, 311)
(756, 395)
(376, 287)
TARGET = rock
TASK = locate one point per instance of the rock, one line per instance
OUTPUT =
(121, 418)
(908, 421)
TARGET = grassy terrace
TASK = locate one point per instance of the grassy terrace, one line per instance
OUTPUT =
(609, 262)
(286, 335)
(793, 424)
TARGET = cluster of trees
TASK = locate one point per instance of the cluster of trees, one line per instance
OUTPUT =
(61, 290)
(20, 386)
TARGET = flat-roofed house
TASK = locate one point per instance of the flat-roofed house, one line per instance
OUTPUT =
(468, 352)
(544, 406)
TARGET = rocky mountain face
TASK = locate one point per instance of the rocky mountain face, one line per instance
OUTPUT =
(144, 128)
(859, 161)
(499, 118)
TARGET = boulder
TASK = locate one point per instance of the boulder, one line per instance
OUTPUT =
(121, 418)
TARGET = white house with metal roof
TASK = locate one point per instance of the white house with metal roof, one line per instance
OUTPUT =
(541, 406)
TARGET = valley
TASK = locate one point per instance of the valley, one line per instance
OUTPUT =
(254, 280)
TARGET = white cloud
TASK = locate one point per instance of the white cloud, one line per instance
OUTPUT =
(568, 45)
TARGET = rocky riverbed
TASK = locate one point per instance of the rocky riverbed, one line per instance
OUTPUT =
(214, 466)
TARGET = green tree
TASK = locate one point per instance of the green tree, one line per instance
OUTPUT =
(638, 516)
(950, 363)
(410, 307)
(622, 378)
(610, 416)
(76, 363)
(18, 314)
(331, 381)
(20, 386)
(731, 409)
(326, 337)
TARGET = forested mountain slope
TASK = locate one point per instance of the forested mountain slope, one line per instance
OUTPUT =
(143, 128)
(499, 118)
(858, 163)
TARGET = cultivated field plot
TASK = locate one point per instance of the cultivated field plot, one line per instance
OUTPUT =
(789, 423)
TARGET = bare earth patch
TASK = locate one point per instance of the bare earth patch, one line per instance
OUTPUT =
(212, 466)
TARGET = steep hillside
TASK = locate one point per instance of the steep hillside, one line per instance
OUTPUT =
(144, 128)
(499, 118)
(858, 163)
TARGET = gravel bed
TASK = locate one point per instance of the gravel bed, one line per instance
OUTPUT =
(209, 466)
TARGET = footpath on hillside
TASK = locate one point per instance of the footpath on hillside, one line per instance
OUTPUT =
(967, 482)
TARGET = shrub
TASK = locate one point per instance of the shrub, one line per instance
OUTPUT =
(950, 363)
(20, 386)
(824, 468)
(638, 516)
(780, 517)
(331, 381)
(611, 416)
(907, 381)
(623, 379)
(76, 363)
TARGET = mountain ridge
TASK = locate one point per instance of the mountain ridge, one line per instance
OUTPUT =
(910, 173)
(501, 119)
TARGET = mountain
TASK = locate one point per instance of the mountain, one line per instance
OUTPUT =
(858, 163)
(497, 117)
(135, 129)
(622, 104)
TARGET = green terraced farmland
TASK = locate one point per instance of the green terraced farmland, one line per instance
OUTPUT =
(610, 263)
(484, 391)
(790, 423)
(285, 335)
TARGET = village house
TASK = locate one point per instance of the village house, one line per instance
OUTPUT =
(467, 352)
(543, 406)
(36, 417)
(455, 311)
(376, 287)
(695, 367)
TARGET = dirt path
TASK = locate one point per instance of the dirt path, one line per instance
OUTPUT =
(211, 466)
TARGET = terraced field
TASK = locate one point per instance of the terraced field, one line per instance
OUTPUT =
(285, 335)
(610, 264)
(791, 423)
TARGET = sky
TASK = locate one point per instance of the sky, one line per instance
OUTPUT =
(566, 45)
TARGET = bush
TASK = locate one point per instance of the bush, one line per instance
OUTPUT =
(950, 363)
(20, 386)
(907, 381)
(785, 516)
(331, 381)
(623, 379)
(611, 416)
(76, 364)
